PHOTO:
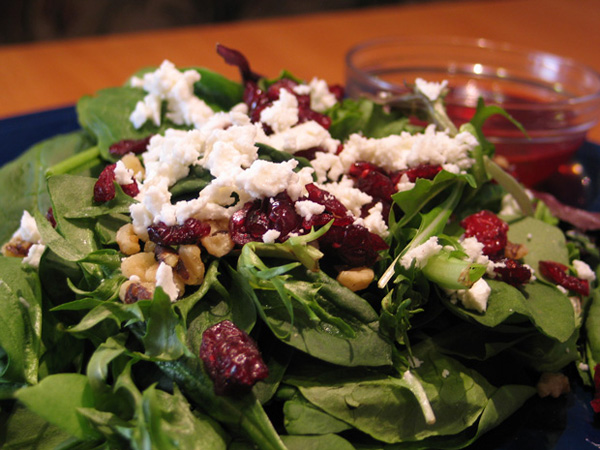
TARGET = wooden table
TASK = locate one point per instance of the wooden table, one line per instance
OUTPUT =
(46, 75)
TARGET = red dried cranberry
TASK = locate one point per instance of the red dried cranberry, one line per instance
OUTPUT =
(236, 58)
(488, 229)
(135, 146)
(332, 205)
(306, 115)
(190, 232)
(310, 153)
(557, 272)
(50, 217)
(282, 215)
(338, 91)
(426, 171)
(104, 189)
(237, 224)
(513, 272)
(372, 180)
(284, 83)
(353, 244)
(232, 359)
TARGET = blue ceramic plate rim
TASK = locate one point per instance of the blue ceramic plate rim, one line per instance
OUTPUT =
(566, 423)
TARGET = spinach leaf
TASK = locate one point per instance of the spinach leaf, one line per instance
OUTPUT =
(385, 407)
(301, 417)
(20, 321)
(23, 181)
(57, 399)
(106, 116)
(26, 430)
(220, 93)
(324, 442)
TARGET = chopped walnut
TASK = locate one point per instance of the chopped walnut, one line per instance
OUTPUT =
(190, 267)
(128, 241)
(356, 279)
(166, 254)
(515, 251)
(553, 384)
(16, 247)
(142, 265)
(218, 242)
(132, 162)
(131, 291)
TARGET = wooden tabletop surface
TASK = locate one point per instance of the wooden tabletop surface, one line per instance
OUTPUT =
(45, 75)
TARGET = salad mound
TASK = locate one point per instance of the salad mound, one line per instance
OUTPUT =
(266, 264)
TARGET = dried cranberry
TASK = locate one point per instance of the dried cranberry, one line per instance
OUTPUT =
(332, 205)
(338, 91)
(190, 232)
(310, 153)
(104, 189)
(50, 217)
(557, 272)
(236, 58)
(513, 272)
(125, 146)
(232, 359)
(284, 83)
(488, 229)
(372, 180)
(426, 171)
(353, 244)
(282, 215)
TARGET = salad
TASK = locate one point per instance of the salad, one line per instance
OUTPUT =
(214, 264)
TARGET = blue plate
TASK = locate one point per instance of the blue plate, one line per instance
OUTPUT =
(566, 423)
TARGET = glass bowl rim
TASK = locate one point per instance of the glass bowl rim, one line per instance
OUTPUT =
(483, 44)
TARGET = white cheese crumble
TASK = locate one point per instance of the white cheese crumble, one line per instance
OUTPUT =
(476, 297)
(308, 208)
(123, 175)
(445, 373)
(431, 89)
(583, 270)
(169, 84)
(352, 198)
(421, 254)
(28, 230)
(303, 136)
(270, 236)
(374, 221)
(283, 113)
(321, 98)
(164, 279)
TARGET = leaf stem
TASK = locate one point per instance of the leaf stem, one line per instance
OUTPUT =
(77, 161)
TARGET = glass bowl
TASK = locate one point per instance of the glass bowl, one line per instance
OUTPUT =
(556, 99)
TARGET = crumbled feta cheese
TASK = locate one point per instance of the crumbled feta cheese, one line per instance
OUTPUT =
(177, 89)
(270, 236)
(321, 99)
(303, 136)
(404, 184)
(308, 208)
(414, 362)
(267, 179)
(421, 253)
(28, 230)
(445, 373)
(34, 255)
(476, 297)
(283, 113)
(164, 279)
(583, 271)
(352, 198)
(123, 175)
(374, 221)
(431, 89)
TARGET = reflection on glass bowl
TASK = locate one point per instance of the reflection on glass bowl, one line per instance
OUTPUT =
(556, 99)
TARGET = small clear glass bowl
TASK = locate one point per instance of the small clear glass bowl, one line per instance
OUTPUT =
(556, 99)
